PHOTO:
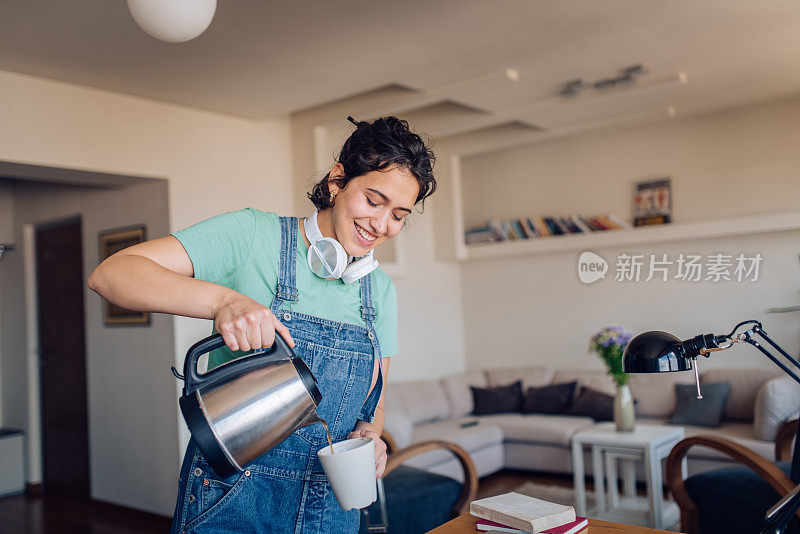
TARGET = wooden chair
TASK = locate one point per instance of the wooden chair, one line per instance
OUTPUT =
(409, 520)
(767, 470)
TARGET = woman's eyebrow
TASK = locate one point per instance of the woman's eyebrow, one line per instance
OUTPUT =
(386, 199)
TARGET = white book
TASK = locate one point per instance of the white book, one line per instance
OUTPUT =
(522, 512)
(621, 222)
(580, 224)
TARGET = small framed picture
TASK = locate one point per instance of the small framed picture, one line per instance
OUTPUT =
(652, 202)
(112, 241)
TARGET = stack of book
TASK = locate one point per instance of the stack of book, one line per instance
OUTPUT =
(514, 512)
(532, 227)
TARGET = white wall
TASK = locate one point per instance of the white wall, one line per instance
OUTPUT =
(726, 164)
(213, 163)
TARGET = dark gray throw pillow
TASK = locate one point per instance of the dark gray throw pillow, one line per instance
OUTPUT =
(689, 410)
(500, 399)
(592, 403)
(550, 400)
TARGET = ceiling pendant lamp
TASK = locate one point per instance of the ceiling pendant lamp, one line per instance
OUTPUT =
(173, 21)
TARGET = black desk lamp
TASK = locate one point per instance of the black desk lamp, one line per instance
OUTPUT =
(659, 352)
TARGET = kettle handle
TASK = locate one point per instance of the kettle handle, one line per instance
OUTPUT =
(194, 380)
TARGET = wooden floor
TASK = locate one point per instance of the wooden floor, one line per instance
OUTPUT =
(56, 515)
(23, 514)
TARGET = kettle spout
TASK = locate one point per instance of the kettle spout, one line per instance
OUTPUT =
(310, 419)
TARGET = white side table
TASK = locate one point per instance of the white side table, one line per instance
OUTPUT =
(648, 443)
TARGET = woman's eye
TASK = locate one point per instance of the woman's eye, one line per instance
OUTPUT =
(371, 203)
(396, 218)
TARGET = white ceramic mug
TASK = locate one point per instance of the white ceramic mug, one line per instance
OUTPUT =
(351, 471)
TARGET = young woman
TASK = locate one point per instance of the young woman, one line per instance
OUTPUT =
(256, 274)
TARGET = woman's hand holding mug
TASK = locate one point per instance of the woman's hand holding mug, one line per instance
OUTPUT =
(380, 449)
(246, 324)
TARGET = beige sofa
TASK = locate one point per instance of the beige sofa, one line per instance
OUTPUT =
(760, 400)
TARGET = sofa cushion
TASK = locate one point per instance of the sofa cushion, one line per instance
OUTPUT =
(735, 431)
(705, 411)
(400, 427)
(592, 403)
(655, 392)
(498, 399)
(538, 429)
(596, 380)
(422, 401)
(553, 399)
(745, 385)
(471, 438)
(777, 401)
(531, 376)
(456, 389)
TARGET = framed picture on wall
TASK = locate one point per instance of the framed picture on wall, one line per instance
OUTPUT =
(112, 241)
(652, 202)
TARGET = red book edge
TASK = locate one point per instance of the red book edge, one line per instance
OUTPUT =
(567, 528)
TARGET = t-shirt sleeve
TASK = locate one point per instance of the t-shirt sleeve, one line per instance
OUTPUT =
(386, 324)
(219, 246)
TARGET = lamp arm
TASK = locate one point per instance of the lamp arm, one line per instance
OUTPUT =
(747, 337)
(777, 518)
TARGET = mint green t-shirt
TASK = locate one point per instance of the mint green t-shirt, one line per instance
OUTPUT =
(241, 250)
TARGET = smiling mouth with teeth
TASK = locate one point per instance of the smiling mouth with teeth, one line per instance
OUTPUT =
(363, 233)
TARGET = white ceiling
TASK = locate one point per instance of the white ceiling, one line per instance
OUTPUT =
(262, 58)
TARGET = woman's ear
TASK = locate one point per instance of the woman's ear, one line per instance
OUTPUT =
(336, 178)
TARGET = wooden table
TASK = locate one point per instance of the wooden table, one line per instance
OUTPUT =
(465, 523)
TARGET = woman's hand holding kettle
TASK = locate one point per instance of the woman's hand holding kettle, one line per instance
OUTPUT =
(246, 324)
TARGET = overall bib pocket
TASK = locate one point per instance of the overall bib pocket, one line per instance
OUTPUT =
(213, 496)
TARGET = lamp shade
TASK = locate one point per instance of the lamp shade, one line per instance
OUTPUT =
(173, 21)
(655, 352)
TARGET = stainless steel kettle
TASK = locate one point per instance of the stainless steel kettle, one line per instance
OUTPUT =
(242, 409)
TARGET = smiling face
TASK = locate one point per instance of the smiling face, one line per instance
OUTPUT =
(370, 209)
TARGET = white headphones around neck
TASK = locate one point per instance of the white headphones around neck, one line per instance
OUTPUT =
(327, 258)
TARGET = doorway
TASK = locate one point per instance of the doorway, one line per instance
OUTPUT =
(62, 359)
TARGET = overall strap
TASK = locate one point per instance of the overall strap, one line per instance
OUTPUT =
(368, 314)
(287, 267)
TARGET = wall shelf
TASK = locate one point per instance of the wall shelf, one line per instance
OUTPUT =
(732, 226)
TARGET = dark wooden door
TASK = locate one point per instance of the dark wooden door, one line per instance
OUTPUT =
(65, 436)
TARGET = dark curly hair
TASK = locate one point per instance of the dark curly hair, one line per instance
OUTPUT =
(375, 146)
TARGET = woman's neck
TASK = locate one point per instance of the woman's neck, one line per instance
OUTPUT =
(325, 223)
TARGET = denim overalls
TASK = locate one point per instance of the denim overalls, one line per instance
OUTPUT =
(286, 490)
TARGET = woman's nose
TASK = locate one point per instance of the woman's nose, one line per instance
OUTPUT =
(381, 222)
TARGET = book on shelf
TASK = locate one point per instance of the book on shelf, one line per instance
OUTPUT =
(519, 229)
(544, 231)
(528, 514)
(577, 220)
(508, 231)
(625, 225)
(573, 527)
(497, 229)
(552, 226)
(481, 234)
(527, 228)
